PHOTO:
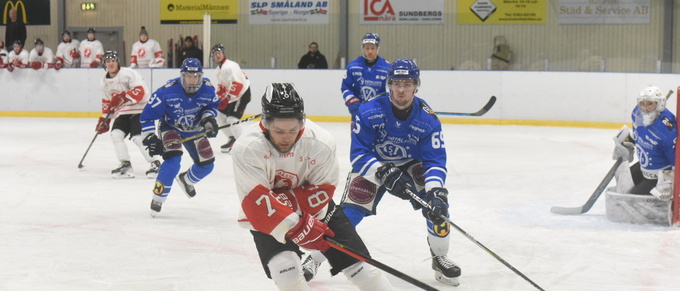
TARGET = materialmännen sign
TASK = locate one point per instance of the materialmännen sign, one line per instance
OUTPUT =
(192, 11)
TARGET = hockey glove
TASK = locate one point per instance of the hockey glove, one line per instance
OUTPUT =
(58, 66)
(623, 145)
(103, 125)
(394, 181)
(118, 100)
(209, 126)
(94, 64)
(153, 144)
(664, 185)
(439, 205)
(36, 65)
(17, 63)
(353, 105)
(75, 54)
(10, 67)
(309, 232)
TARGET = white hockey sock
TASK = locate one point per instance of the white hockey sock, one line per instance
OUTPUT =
(438, 245)
(222, 120)
(367, 277)
(137, 139)
(118, 138)
(286, 272)
(318, 257)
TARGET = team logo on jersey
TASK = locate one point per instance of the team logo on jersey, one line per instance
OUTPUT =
(88, 52)
(441, 230)
(285, 179)
(667, 122)
(158, 188)
(391, 151)
(141, 52)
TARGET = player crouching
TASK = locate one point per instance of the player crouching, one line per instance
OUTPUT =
(125, 95)
(653, 139)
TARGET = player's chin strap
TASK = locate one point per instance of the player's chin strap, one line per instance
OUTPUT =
(425, 205)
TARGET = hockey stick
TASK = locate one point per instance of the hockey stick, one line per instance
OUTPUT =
(361, 257)
(596, 194)
(256, 116)
(108, 115)
(427, 206)
(481, 112)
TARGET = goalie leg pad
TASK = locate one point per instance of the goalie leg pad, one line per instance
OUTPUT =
(367, 277)
(637, 209)
(286, 272)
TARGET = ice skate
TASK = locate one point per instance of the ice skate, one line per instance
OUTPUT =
(309, 268)
(155, 207)
(445, 270)
(152, 173)
(123, 171)
(226, 148)
(188, 188)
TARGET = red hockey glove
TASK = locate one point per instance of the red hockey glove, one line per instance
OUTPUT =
(102, 125)
(18, 63)
(75, 54)
(10, 67)
(36, 65)
(118, 100)
(309, 232)
(57, 66)
(94, 64)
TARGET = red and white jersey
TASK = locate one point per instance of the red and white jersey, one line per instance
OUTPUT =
(90, 51)
(22, 57)
(66, 51)
(4, 56)
(128, 81)
(231, 81)
(46, 58)
(302, 180)
(147, 55)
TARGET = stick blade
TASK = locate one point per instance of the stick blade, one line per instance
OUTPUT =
(567, 210)
(486, 107)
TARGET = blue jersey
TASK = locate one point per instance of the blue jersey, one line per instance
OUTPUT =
(363, 81)
(655, 143)
(174, 108)
(378, 136)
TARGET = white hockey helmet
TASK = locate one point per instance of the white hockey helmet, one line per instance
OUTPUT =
(650, 104)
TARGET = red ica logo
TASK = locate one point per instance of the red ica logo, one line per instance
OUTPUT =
(377, 8)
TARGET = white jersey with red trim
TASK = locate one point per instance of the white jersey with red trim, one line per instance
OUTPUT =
(46, 59)
(128, 81)
(18, 60)
(90, 51)
(66, 52)
(302, 180)
(4, 56)
(232, 83)
(147, 55)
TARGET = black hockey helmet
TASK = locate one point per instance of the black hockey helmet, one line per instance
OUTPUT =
(218, 47)
(281, 100)
(66, 32)
(110, 55)
(38, 42)
(19, 43)
(90, 30)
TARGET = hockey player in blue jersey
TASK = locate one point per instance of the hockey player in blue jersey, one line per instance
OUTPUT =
(366, 75)
(653, 138)
(186, 107)
(397, 144)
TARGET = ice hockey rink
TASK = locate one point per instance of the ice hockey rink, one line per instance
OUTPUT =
(64, 228)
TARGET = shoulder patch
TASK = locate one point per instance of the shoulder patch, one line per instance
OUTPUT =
(207, 82)
(428, 110)
(667, 122)
(170, 84)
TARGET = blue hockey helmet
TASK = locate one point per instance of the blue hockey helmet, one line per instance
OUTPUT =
(403, 69)
(371, 37)
(191, 67)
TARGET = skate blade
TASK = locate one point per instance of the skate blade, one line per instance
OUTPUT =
(152, 175)
(153, 214)
(123, 176)
(446, 280)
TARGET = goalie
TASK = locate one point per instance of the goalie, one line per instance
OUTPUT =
(653, 138)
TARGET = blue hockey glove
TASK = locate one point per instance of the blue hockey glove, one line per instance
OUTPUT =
(153, 144)
(209, 126)
(439, 205)
(353, 105)
(394, 181)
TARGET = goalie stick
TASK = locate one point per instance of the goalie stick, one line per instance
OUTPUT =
(364, 258)
(80, 165)
(481, 112)
(200, 135)
(596, 194)
(427, 206)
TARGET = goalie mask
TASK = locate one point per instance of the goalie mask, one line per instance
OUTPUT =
(191, 75)
(649, 105)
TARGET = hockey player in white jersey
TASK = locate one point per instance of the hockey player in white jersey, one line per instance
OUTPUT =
(125, 95)
(17, 57)
(67, 55)
(91, 50)
(40, 57)
(3, 56)
(286, 173)
(233, 89)
(146, 52)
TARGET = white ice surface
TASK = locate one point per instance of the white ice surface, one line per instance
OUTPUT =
(64, 228)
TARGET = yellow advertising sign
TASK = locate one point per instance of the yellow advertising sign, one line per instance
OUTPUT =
(18, 6)
(192, 11)
(502, 11)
